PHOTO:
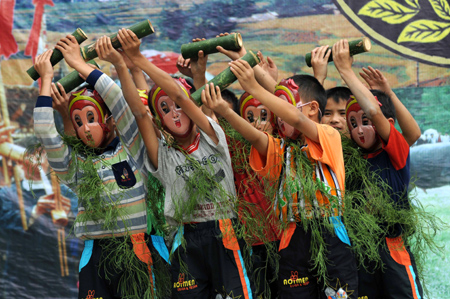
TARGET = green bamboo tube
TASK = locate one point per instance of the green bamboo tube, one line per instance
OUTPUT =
(73, 80)
(226, 77)
(356, 47)
(57, 56)
(231, 42)
(141, 29)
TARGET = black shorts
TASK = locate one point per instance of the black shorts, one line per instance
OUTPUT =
(397, 279)
(100, 276)
(297, 279)
(264, 269)
(210, 262)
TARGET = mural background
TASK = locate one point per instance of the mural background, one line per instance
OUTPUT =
(285, 30)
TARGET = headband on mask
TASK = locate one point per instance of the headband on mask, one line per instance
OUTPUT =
(289, 89)
(143, 95)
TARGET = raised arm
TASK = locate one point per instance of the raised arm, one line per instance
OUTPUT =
(212, 98)
(290, 114)
(376, 80)
(343, 62)
(130, 44)
(108, 53)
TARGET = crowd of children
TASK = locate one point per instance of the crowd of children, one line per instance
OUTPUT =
(254, 198)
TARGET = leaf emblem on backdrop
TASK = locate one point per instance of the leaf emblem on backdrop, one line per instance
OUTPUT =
(419, 30)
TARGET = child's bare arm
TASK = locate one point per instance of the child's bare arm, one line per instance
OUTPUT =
(45, 70)
(290, 114)
(130, 44)
(376, 80)
(212, 98)
(343, 62)
(136, 72)
(319, 62)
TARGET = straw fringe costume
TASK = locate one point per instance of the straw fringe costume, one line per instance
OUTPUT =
(316, 258)
(112, 216)
(398, 278)
(207, 253)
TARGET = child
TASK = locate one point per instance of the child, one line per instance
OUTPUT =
(334, 114)
(196, 172)
(337, 97)
(109, 179)
(298, 248)
(371, 124)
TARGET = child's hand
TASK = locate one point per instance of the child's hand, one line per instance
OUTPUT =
(130, 43)
(375, 79)
(198, 66)
(341, 55)
(184, 66)
(106, 51)
(212, 98)
(60, 99)
(70, 49)
(130, 65)
(268, 66)
(319, 62)
(244, 73)
(43, 65)
(233, 55)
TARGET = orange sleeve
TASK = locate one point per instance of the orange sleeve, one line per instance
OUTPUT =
(329, 151)
(269, 165)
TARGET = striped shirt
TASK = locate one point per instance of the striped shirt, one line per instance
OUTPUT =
(123, 154)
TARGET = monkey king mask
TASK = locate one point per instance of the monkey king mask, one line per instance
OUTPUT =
(360, 126)
(172, 117)
(87, 112)
(288, 91)
(256, 113)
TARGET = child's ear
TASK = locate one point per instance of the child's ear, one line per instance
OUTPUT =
(391, 120)
(313, 109)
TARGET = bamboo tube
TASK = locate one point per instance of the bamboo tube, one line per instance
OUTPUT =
(226, 77)
(73, 80)
(18, 179)
(356, 47)
(228, 42)
(141, 29)
(57, 56)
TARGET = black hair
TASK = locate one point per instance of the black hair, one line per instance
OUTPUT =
(387, 107)
(230, 97)
(310, 89)
(340, 93)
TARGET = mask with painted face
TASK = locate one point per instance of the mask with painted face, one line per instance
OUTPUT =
(288, 91)
(256, 113)
(172, 117)
(87, 112)
(360, 127)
